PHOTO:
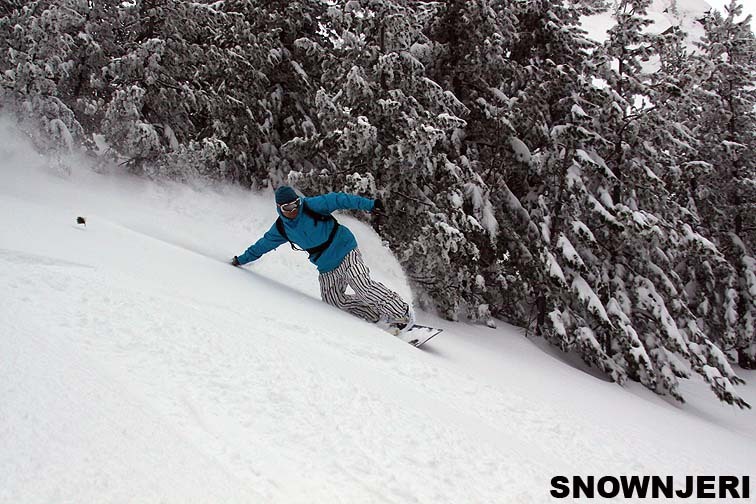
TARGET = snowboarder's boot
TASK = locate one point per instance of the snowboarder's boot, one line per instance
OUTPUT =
(404, 324)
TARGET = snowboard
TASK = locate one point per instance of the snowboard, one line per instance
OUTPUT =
(419, 335)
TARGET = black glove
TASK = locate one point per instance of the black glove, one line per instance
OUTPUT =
(378, 207)
(235, 261)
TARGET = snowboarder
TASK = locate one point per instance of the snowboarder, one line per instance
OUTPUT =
(307, 223)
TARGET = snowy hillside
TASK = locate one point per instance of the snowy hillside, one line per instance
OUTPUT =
(137, 366)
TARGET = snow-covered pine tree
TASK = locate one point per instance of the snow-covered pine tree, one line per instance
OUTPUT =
(7, 7)
(142, 74)
(723, 192)
(293, 37)
(42, 65)
(163, 109)
(554, 102)
(471, 47)
(707, 275)
(531, 136)
(646, 297)
(385, 129)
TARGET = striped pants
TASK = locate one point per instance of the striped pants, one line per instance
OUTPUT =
(371, 300)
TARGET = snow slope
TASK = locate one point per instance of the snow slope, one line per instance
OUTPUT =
(137, 366)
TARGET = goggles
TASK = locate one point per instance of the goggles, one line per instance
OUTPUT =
(290, 206)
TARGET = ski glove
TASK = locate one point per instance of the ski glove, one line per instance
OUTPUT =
(235, 261)
(378, 207)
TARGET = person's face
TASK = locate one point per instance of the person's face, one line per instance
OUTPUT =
(290, 209)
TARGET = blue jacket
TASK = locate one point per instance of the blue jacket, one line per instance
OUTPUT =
(306, 232)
